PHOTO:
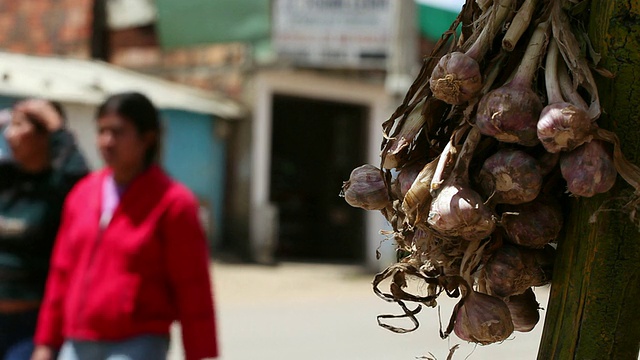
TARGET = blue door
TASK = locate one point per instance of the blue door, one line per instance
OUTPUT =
(193, 155)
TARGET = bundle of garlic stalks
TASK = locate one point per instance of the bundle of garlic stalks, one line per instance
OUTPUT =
(498, 130)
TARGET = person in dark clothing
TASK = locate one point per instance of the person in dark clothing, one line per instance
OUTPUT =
(44, 165)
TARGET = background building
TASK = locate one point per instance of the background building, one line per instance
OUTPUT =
(318, 78)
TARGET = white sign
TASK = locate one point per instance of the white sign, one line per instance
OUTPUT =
(333, 33)
(125, 14)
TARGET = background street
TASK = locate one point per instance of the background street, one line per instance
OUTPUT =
(296, 311)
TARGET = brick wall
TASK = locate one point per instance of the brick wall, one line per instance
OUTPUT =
(218, 67)
(64, 27)
(46, 27)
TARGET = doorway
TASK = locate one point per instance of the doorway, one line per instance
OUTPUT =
(315, 145)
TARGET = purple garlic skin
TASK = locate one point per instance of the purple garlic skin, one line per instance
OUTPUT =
(511, 176)
(510, 114)
(511, 270)
(366, 188)
(456, 79)
(457, 210)
(589, 169)
(483, 319)
(534, 224)
(407, 176)
(524, 310)
(563, 127)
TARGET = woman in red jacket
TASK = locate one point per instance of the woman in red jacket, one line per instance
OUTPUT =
(130, 256)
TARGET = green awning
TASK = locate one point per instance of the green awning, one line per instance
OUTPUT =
(184, 23)
(434, 21)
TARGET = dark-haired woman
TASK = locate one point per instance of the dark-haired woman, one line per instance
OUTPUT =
(44, 165)
(130, 257)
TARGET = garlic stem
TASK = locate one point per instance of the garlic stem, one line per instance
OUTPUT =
(449, 155)
(482, 284)
(500, 10)
(471, 259)
(572, 54)
(519, 24)
(531, 59)
(467, 265)
(410, 128)
(554, 93)
(443, 161)
(419, 194)
(569, 91)
(629, 171)
(492, 75)
(461, 169)
(483, 4)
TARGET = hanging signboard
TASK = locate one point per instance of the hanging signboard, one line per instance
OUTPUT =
(333, 33)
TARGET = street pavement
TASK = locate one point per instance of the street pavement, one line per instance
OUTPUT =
(296, 311)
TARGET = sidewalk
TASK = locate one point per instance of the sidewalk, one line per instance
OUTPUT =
(328, 312)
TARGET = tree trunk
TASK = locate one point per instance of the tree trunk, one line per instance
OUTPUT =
(595, 296)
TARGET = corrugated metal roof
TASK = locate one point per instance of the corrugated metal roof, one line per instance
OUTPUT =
(90, 82)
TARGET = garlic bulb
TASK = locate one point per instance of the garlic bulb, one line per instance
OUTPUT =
(511, 176)
(511, 270)
(589, 169)
(524, 310)
(366, 188)
(456, 78)
(406, 176)
(562, 126)
(483, 319)
(534, 224)
(510, 113)
(457, 210)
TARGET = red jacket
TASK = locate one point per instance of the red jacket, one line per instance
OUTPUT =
(147, 268)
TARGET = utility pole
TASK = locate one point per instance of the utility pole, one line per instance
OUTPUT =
(595, 293)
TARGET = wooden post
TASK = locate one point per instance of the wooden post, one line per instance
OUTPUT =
(595, 296)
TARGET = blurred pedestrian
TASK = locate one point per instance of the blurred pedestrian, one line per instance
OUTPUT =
(131, 256)
(43, 166)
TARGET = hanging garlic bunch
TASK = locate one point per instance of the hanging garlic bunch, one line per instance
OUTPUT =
(472, 161)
